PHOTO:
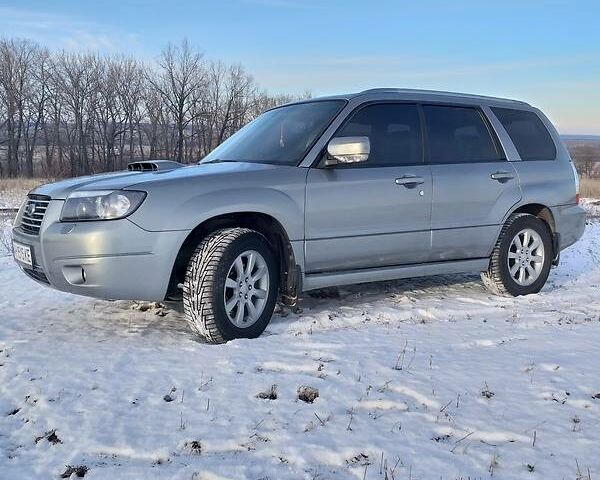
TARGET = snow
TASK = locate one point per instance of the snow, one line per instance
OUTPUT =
(592, 206)
(11, 198)
(423, 378)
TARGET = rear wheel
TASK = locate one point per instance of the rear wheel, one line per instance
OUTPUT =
(231, 285)
(521, 260)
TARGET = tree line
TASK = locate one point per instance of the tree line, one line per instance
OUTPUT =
(72, 113)
(586, 155)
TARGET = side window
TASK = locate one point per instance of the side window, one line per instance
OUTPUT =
(529, 135)
(394, 130)
(459, 135)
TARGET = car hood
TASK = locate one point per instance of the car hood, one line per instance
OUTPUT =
(129, 179)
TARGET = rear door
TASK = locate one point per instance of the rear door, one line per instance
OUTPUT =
(375, 213)
(474, 185)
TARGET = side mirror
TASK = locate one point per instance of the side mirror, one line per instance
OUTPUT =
(348, 150)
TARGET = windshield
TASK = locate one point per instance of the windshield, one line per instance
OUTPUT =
(280, 136)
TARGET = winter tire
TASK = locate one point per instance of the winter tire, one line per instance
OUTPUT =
(231, 285)
(521, 260)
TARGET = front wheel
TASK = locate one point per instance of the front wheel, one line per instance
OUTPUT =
(521, 259)
(230, 286)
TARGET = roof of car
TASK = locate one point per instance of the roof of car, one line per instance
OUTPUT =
(425, 95)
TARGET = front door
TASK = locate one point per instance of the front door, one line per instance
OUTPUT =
(375, 213)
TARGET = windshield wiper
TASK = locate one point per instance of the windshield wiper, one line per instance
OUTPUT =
(216, 160)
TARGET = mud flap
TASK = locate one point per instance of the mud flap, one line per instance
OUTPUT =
(556, 249)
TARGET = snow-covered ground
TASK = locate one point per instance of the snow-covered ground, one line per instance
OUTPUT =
(13, 191)
(592, 206)
(417, 379)
(11, 200)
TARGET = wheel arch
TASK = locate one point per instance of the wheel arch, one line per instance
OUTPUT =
(261, 222)
(538, 210)
(545, 214)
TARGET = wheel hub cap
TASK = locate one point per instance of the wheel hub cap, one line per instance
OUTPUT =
(526, 257)
(246, 289)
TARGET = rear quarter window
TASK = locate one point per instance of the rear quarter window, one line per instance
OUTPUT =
(528, 133)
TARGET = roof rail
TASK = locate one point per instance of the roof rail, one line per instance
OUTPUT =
(438, 92)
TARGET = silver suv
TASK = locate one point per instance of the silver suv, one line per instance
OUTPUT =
(378, 185)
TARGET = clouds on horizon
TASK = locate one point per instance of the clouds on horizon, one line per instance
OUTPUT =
(62, 31)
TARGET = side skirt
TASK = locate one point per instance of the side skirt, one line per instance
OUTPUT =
(348, 277)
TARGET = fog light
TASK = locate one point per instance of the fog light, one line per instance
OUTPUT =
(74, 274)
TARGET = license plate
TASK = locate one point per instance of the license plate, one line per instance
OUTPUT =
(22, 253)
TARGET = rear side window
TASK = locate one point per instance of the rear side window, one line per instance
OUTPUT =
(394, 130)
(459, 135)
(529, 135)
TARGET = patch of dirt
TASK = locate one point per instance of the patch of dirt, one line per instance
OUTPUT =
(50, 436)
(78, 470)
(331, 292)
(270, 394)
(307, 394)
(194, 447)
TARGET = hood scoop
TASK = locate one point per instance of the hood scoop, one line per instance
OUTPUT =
(153, 166)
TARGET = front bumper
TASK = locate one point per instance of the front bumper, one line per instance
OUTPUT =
(113, 259)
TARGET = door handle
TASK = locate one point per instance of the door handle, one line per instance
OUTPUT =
(502, 177)
(410, 181)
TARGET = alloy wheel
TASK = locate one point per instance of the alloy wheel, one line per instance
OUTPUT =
(526, 257)
(246, 289)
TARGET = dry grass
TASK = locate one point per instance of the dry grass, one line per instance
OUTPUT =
(590, 187)
(20, 184)
(14, 190)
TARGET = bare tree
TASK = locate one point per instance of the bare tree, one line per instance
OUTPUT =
(35, 105)
(17, 60)
(180, 79)
(585, 155)
(77, 113)
(77, 78)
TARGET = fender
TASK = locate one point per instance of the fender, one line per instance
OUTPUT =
(183, 205)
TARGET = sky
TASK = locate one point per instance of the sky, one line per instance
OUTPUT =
(544, 52)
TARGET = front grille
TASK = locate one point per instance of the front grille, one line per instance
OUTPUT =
(33, 213)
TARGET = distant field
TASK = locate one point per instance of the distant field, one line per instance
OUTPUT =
(590, 187)
(20, 183)
(14, 190)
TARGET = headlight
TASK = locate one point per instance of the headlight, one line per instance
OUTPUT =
(101, 205)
